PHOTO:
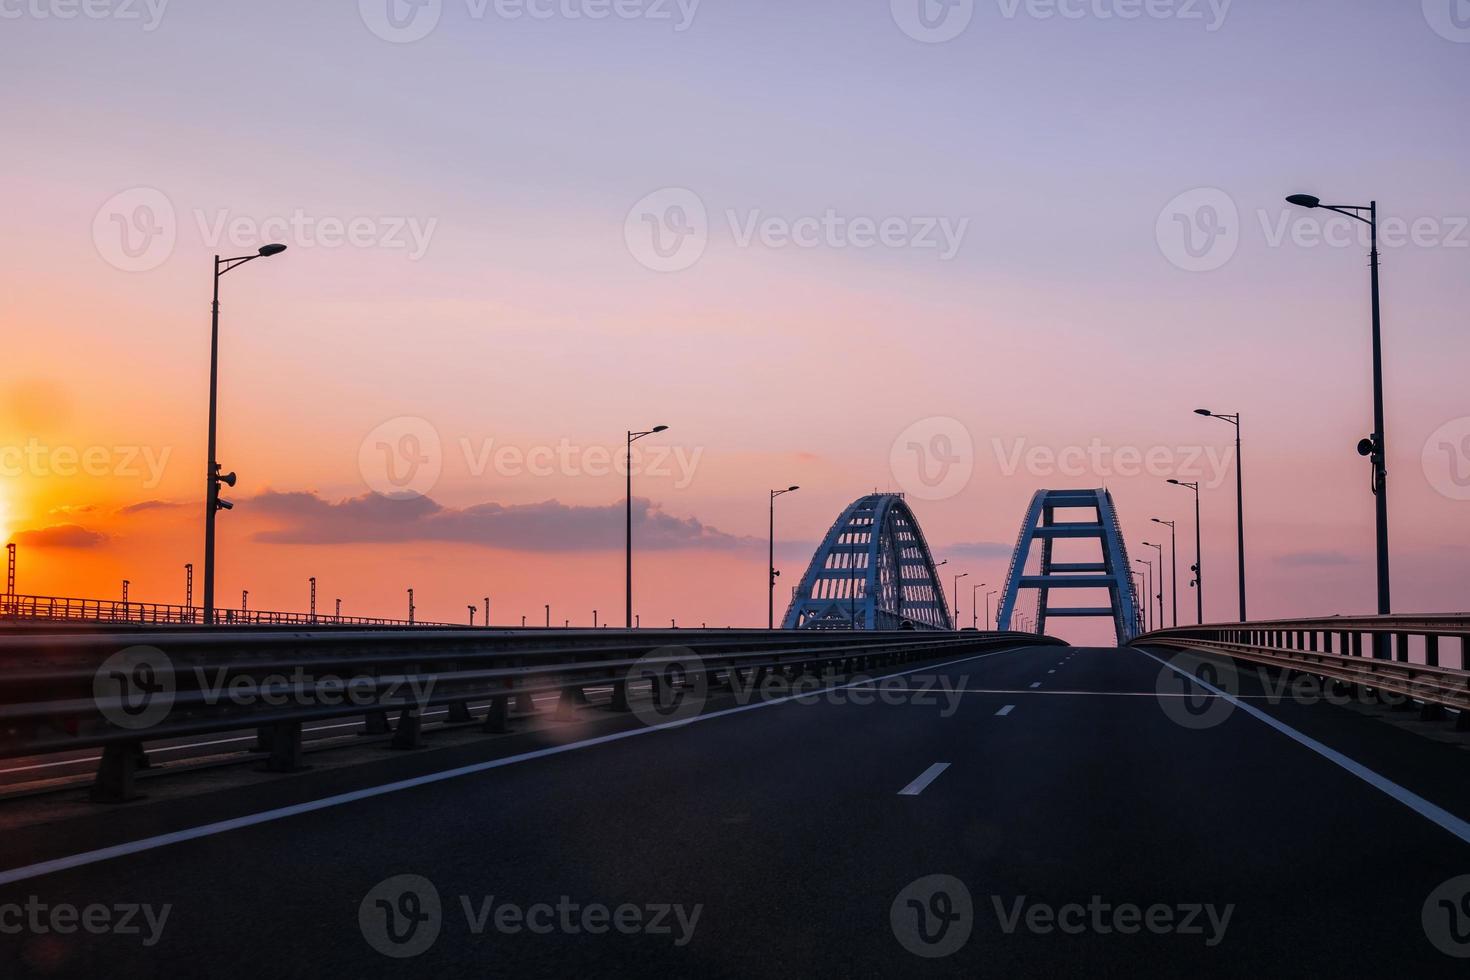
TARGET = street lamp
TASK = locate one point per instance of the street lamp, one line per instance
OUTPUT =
(1173, 564)
(1239, 500)
(975, 605)
(1198, 568)
(213, 477)
(632, 438)
(1148, 609)
(1160, 549)
(772, 574)
(1373, 447)
(957, 578)
(988, 623)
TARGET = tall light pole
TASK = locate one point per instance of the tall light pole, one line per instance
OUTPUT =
(1198, 569)
(213, 477)
(1375, 446)
(410, 607)
(632, 438)
(1239, 500)
(487, 610)
(1148, 605)
(975, 605)
(771, 573)
(189, 591)
(956, 622)
(989, 625)
(1160, 595)
(1173, 565)
(313, 598)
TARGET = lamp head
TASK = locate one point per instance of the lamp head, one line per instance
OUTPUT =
(660, 428)
(1203, 411)
(266, 251)
(1304, 201)
(792, 489)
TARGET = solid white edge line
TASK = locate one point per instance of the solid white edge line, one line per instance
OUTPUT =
(925, 778)
(267, 816)
(1436, 814)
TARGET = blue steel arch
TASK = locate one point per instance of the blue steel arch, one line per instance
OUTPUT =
(1113, 572)
(873, 571)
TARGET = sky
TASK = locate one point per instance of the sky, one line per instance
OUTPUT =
(963, 251)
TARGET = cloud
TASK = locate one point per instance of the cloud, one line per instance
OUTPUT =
(60, 536)
(975, 549)
(305, 518)
(1317, 559)
(147, 505)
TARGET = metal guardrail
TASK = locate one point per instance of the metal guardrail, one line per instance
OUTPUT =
(38, 608)
(74, 690)
(1371, 653)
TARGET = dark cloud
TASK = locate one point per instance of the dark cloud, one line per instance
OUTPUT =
(147, 505)
(305, 518)
(1317, 559)
(60, 536)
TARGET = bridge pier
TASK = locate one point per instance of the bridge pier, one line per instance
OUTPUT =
(115, 781)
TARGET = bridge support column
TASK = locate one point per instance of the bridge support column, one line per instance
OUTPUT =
(285, 748)
(115, 781)
(409, 733)
(619, 700)
(497, 718)
(459, 713)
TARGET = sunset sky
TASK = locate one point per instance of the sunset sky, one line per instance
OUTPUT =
(892, 239)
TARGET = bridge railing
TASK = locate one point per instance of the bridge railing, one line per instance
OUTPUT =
(116, 690)
(1425, 658)
(47, 609)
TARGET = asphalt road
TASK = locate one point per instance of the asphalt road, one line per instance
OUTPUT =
(1084, 824)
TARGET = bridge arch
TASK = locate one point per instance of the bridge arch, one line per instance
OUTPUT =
(1110, 570)
(873, 571)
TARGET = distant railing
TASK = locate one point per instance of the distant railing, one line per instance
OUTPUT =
(35, 608)
(1422, 657)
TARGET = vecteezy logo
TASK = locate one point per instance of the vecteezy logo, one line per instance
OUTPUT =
(135, 230)
(1449, 18)
(933, 916)
(401, 21)
(668, 230)
(932, 21)
(933, 459)
(1447, 459)
(1446, 917)
(402, 458)
(1199, 231)
(401, 916)
(134, 688)
(1189, 704)
(678, 686)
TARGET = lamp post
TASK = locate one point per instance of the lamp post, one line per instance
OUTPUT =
(313, 598)
(771, 573)
(1239, 500)
(213, 477)
(1198, 569)
(1375, 446)
(632, 438)
(1174, 566)
(548, 615)
(975, 605)
(956, 622)
(1160, 595)
(189, 591)
(1148, 596)
(473, 610)
(487, 611)
(410, 607)
(988, 623)
(338, 616)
